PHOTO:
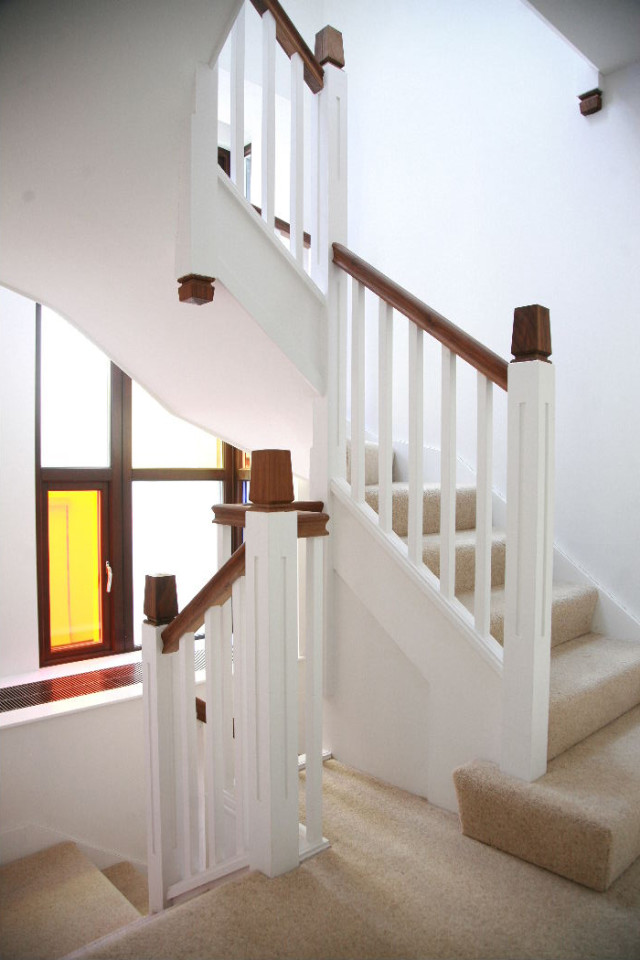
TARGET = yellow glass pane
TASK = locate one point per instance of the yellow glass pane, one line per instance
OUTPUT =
(75, 561)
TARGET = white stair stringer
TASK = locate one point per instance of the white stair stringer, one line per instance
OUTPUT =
(462, 671)
(263, 276)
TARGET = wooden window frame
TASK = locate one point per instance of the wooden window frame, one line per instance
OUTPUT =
(117, 482)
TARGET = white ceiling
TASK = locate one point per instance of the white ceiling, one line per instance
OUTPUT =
(606, 32)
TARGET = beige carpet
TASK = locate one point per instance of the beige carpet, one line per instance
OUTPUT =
(54, 902)
(400, 881)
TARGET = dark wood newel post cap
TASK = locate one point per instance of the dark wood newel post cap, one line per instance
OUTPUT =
(160, 598)
(531, 334)
(271, 477)
(194, 288)
(329, 47)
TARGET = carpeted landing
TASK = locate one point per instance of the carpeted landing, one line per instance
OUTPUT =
(399, 881)
(582, 819)
(56, 901)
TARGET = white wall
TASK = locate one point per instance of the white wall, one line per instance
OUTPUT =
(18, 581)
(78, 775)
(475, 182)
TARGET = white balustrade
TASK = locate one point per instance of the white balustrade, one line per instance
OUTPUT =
(385, 416)
(268, 118)
(448, 475)
(484, 505)
(416, 443)
(237, 100)
(296, 205)
(357, 392)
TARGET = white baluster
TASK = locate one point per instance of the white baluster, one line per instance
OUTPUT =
(184, 693)
(385, 415)
(237, 101)
(314, 841)
(272, 690)
(240, 713)
(357, 392)
(482, 602)
(416, 443)
(268, 117)
(528, 581)
(448, 475)
(215, 739)
(224, 544)
(297, 157)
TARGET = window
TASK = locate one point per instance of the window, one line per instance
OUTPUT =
(123, 489)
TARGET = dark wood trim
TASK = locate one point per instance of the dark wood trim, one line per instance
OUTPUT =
(41, 551)
(214, 593)
(201, 710)
(76, 474)
(590, 102)
(531, 338)
(160, 598)
(291, 42)
(234, 514)
(284, 227)
(465, 346)
(329, 47)
(177, 473)
(196, 288)
(121, 533)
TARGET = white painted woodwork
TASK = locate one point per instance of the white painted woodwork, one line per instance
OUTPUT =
(448, 475)
(385, 415)
(296, 205)
(196, 250)
(224, 544)
(329, 183)
(237, 100)
(416, 455)
(484, 499)
(159, 763)
(215, 735)
(313, 695)
(272, 690)
(238, 599)
(268, 118)
(357, 392)
(527, 640)
(184, 693)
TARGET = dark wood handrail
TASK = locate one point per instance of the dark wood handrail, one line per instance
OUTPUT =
(291, 42)
(216, 592)
(465, 346)
(284, 227)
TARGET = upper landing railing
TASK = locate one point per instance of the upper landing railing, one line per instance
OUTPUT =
(529, 534)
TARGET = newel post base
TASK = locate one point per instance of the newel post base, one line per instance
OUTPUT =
(272, 690)
(529, 567)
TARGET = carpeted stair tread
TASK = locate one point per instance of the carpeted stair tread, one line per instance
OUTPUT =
(580, 820)
(572, 611)
(54, 902)
(465, 507)
(594, 680)
(465, 547)
(131, 883)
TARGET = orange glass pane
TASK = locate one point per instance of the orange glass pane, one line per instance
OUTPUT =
(75, 562)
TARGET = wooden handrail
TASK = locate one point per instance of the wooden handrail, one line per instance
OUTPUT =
(216, 592)
(284, 227)
(291, 42)
(465, 346)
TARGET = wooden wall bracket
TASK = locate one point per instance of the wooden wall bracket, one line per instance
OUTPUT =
(590, 102)
(194, 288)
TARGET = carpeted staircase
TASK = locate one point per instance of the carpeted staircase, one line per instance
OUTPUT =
(56, 901)
(582, 819)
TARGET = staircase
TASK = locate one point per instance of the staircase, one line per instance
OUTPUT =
(582, 818)
(56, 901)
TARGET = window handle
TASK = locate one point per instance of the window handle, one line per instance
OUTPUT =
(109, 576)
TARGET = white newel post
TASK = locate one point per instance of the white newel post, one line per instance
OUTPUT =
(328, 226)
(272, 690)
(159, 722)
(528, 581)
(196, 250)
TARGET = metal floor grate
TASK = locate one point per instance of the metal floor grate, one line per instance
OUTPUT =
(64, 688)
